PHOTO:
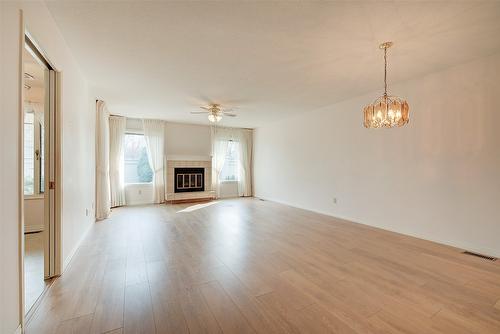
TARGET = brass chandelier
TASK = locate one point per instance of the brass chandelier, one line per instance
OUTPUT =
(386, 111)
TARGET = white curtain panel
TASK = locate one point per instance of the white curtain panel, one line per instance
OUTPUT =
(220, 147)
(117, 126)
(220, 142)
(154, 132)
(103, 204)
(245, 139)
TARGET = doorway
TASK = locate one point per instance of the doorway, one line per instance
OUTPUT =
(39, 173)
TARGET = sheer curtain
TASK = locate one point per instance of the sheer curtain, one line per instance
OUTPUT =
(154, 133)
(245, 139)
(102, 162)
(220, 141)
(117, 126)
(219, 152)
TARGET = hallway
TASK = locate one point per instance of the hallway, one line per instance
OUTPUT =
(247, 266)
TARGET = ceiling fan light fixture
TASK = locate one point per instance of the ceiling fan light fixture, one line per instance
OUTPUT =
(386, 111)
(214, 118)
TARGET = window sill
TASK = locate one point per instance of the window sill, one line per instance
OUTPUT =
(229, 181)
(139, 184)
(33, 197)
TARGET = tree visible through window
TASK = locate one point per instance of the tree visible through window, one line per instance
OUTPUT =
(136, 163)
(34, 151)
(230, 170)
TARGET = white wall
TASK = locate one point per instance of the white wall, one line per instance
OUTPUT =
(187, 140)
(9, 167)
(437, 178)
(229, 189)
(34, 214)
(78, 118)
(139, 193)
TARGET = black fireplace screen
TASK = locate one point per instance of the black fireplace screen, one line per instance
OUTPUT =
(189, 179)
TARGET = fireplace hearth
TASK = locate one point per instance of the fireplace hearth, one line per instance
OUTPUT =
(189, 179)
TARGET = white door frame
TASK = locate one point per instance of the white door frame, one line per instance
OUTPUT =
(53, 164)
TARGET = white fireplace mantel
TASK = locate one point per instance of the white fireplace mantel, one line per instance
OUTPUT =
(176, 157)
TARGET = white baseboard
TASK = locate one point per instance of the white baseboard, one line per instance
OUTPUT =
(33, 228)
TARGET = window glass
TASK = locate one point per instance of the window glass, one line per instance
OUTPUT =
(136, 163)
(42, 158)
(230, 170)
(29, 153)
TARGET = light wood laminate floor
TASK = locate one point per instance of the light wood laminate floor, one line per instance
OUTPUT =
(250, 266)
(34, 283)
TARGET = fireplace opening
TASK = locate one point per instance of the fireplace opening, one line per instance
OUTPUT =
(189, 179)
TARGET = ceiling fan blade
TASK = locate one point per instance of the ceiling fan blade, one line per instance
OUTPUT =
(206, 108)
(198, 112)
(229, 114)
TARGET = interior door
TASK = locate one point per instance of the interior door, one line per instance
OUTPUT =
(50, 173)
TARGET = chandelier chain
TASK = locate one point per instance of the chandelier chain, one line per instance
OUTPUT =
(385, 71)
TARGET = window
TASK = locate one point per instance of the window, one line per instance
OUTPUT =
(136, 163)
(29, 153)
(33, 153)
(230, 170)
(41, 166)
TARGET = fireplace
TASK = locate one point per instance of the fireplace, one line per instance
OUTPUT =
(189, 179)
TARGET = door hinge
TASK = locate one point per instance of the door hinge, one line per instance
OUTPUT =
(52, 185)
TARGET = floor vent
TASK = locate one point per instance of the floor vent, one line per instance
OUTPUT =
(263, 200)
(490, 258)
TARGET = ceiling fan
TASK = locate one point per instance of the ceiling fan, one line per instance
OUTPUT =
(215, 112)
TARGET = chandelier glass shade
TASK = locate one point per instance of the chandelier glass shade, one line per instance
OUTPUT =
(386, 111)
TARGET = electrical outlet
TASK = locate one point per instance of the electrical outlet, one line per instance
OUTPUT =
(334, 200)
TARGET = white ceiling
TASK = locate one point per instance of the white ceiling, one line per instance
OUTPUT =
(270, 59)
(33, 68)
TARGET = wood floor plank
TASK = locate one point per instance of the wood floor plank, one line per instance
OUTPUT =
(281, 315)
(138, 310)
(166, 297)
(108, 314)
(80, 325)
(136, 272)
(475, 323)
(196, 312)
(334, 295)
(316, 319)
(229, 317)
(115, 331)
(246, 302)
